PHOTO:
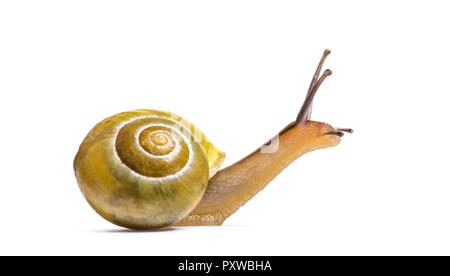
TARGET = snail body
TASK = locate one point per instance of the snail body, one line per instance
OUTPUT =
(148, 169)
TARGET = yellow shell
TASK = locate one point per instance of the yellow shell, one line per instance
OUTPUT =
(145, 169)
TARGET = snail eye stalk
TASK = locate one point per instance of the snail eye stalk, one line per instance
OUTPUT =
(303, 115)
(305, 111)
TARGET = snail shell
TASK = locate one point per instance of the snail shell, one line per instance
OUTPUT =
(145, 168)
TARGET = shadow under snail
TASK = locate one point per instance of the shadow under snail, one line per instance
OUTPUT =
(147, 169)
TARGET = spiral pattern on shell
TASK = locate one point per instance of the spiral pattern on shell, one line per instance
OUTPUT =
(145, 169)
(154, 150)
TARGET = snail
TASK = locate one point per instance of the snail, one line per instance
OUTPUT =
(147, 169)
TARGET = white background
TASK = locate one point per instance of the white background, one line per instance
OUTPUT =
(239, 70)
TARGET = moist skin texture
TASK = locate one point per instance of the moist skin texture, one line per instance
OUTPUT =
(232, 187)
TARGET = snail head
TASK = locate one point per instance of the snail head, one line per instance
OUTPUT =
(325, 133)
